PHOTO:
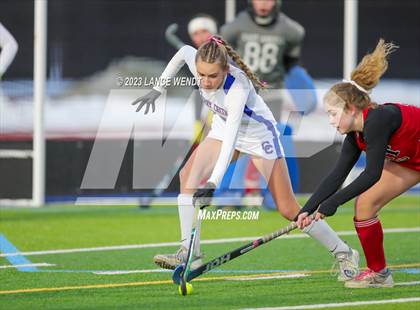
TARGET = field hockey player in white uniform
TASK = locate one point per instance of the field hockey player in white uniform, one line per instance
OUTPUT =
(242, 123)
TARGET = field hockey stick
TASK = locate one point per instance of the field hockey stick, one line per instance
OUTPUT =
(185, 272)
(172, 38)
(223, 259)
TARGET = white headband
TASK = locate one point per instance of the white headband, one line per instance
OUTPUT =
(199, 23)
(357, 86)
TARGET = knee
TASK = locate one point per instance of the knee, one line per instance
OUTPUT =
(183, 175)
(365, 208)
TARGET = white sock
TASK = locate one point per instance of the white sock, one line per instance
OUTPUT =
(186, 213)
(321, 231)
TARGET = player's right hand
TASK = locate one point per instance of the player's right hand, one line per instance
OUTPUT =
(147, 100)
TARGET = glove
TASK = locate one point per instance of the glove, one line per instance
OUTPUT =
(148, 100)
(202, 197)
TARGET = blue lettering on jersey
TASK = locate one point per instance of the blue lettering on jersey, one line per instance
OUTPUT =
(215, 108)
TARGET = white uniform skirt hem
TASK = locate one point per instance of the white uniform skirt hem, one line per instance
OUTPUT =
(261, 143)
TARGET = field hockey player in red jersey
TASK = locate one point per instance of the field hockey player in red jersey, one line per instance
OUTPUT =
(389, 134)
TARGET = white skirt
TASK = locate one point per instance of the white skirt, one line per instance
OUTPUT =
(261, 140)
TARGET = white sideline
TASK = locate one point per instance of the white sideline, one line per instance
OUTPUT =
(285, 276)
(27, 265)
(343, 304)
(165, 244)
(114, 272)
(412, 283)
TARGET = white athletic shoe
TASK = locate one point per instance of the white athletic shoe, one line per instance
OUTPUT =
(170, 261)
(370, 278)
(348, 263)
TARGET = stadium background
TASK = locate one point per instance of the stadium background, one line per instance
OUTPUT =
(89, 41)
(95, 32)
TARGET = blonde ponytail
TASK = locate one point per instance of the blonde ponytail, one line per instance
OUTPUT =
(363, 78)
(373, 65)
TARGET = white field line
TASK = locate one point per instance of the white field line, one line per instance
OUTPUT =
(27, 265)
(167, 244)
(412, 283)
(114, 272)
(244, 278)
(286, 276)
(344, 304)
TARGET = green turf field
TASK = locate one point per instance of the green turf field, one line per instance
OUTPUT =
(256, 279)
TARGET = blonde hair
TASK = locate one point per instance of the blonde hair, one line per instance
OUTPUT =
(218, 50)
(366, 75)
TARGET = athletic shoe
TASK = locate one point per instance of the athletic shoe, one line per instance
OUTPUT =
(370, 278)
(348, 263)
(170, 261)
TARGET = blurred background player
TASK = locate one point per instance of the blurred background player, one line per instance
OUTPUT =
(270, 43)
(390, 136)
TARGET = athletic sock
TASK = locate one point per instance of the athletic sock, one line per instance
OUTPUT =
(323, 233)
(186, 213)
(371, 237)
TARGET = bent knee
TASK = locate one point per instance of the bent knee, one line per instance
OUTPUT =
(184, 174)
(366, 208)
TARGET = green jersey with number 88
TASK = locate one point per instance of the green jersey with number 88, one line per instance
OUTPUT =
(263, 48)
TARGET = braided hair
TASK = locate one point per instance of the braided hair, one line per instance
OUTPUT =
(218, 50)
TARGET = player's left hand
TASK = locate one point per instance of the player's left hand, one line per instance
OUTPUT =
(202, 197)
(147, 100)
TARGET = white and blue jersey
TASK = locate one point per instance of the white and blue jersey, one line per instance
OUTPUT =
(241, 120)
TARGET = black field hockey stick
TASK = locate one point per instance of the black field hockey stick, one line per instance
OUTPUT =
(185, 272)
(223, 259)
